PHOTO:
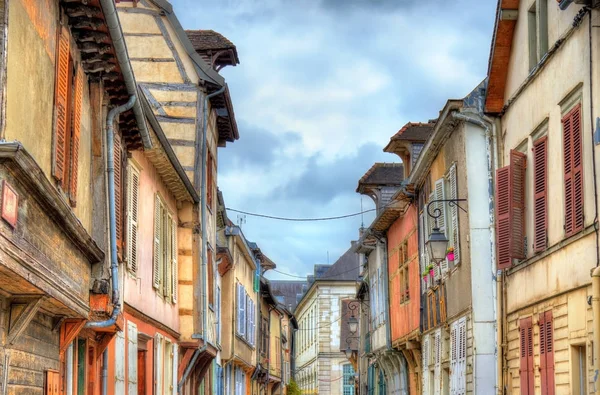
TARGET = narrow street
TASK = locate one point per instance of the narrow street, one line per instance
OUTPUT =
(275, 197)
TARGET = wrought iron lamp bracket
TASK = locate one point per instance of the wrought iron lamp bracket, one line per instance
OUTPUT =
(437, 212)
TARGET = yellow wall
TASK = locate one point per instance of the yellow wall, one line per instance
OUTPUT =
(275, 356)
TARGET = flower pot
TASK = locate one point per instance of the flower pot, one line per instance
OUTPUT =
(431, 273)
(450, 256)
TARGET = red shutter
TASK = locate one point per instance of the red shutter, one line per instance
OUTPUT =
(61, 104)
(547, 359)
(503, 217)
(75, 137)
(573, 171)
(540, 207)
(117, 156)
(518, 161)
(526, 356)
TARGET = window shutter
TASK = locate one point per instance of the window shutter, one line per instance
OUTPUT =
(175, 368)
(120, 363)
(437, 341)
(157, 269)
(573, 171)
(61, 104)
(167, 253)
(454, 213)
(462, 357)
(174, 264)
(238, 309)
(517, 204)
(440, 194)
(546, 353)
(503, 194)
(76, 136)
(158, 363)
(133, 191)
(117, 158)
(425, 352)
(132, 358)
(540, 207)
(453, 359)
(248, 317)
(218, 310)
(526, 356)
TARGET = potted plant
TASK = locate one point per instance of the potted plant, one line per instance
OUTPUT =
(431, 272)
(450, 254)
(424, 274)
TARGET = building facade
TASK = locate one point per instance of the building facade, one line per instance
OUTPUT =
(546, 244)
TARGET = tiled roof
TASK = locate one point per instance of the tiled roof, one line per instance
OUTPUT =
(208, 39)
(346, 268)
(383, 174)
(288, 290)
(414, 131)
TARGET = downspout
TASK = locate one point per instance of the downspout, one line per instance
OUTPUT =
(114, 27)
(596, 325)
(105, 372)
(281, 374)
(112, 223)
(491, 148)
(203, 208)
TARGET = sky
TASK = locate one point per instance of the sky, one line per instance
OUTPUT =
(321, 87)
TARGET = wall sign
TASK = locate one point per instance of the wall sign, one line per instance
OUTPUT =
(10, 204)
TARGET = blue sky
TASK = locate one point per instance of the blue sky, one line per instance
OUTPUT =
(321, 87)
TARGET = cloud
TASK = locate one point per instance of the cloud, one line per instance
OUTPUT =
(321, 87)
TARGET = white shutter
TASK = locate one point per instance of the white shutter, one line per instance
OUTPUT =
(168, 367)
(158, 363)
(462, 356)
(175, 269)
(132, 368)
(453, 359)
(248, 318)
(133, 190)
(241, 310)
(440, 195)
(437, 379)
(218, 315)
(167, 242)
(120, 363)
(425, 356)
(157, 255)
(175, 366)
(237, 308)
(454, 213)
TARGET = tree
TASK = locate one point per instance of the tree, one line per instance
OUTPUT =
(293, 388)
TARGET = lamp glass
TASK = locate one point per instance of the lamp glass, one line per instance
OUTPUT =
(353, 324)
(437, 245)
(348, 352)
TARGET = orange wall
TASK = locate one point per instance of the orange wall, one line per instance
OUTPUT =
(404, 317)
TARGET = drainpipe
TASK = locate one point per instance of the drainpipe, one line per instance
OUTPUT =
(112, 223)
(105, 372)
(114, 28)
(203, 208)
(491, 147)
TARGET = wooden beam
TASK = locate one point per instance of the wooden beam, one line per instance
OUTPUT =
(104, 342)
(24, 318)
(69, 331)
(187, 356)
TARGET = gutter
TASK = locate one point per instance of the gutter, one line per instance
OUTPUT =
(114, 28)
(112, 222)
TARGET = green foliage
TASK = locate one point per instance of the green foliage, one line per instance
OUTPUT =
(293, 388)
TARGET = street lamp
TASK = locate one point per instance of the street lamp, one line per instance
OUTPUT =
(348, 352)
(352, 324)
(437, 245)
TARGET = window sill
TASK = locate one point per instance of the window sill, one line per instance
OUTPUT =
(550, 250)
(245, 341)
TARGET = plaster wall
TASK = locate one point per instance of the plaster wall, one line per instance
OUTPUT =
(138, 291)
(404, 317)
(275, 348)
(378, 332)
(30, 94)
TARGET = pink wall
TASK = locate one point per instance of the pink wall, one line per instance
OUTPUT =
(138, 292)
(404, 317)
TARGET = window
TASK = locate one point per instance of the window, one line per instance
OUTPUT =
(416, 151)
(578, 370)
(573, 171)
(133, 188)
(526, 370)
(348, 372)
(240, 381)
(265, 336)
(540, 191)
(510, 210)
(246, 311)
(537, 20)
(68, 97)
(546, 353)
(209, 180)
(404, 272)
(458, 357)
(165, 251)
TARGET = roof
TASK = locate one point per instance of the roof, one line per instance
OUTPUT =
(346, 268)
(214, 48)
(414, 131)
(289, 290)
(381, 174)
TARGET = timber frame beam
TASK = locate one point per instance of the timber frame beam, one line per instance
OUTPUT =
(22, 320)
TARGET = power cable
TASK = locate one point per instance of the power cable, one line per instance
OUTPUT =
(317, 278)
